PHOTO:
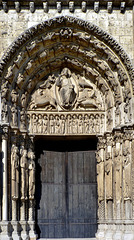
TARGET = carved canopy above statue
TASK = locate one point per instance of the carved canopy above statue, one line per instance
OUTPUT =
(66, 65)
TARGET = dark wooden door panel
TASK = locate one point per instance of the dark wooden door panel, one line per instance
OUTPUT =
(82, 194)
(67, 206)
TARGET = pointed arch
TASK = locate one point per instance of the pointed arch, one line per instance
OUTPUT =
(81, 46)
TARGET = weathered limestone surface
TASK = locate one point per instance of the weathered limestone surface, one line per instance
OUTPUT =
(119, 25)
(67, 77)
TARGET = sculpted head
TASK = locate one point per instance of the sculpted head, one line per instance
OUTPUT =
(66, 72)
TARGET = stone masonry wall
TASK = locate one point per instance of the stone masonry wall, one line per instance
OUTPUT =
(119, 25)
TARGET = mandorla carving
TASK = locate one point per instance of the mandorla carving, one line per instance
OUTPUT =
(66, 88)
(65, 91)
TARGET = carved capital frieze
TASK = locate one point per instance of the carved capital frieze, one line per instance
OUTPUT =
(117, 137)
(109, 139)
(128, 134)
(101, 142)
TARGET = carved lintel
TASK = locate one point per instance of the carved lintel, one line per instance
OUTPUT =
(17, 6)
(59, 7)
(45, 7)
(32, 7)
(83, 6)
(71, 6)
(96, 7)
(122, 7)
(74, 123)
(109, 7)
(5, 8)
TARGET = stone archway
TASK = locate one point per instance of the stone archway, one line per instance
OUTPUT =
(66, 77)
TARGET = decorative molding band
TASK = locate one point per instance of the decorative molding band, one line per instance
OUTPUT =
(103, 3)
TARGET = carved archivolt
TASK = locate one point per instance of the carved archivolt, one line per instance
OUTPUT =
(59, 68)
(67, 77)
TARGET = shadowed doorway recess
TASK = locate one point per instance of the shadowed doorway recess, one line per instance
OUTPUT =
(66, 188)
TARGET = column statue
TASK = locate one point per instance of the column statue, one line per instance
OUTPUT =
(24, 174)
(15, 172)
(31, 169)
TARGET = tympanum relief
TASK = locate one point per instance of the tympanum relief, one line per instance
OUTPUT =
(66, 91)
(66, 103)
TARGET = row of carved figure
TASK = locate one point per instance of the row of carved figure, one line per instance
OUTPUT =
(115, 170)
(66, 124)
(114, 177)
(26, 166)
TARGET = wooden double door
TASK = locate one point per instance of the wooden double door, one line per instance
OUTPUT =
(66, 194)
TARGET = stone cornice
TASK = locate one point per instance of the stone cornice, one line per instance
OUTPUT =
(115, 3)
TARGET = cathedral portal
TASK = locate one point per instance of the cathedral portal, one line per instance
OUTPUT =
(67, 78)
